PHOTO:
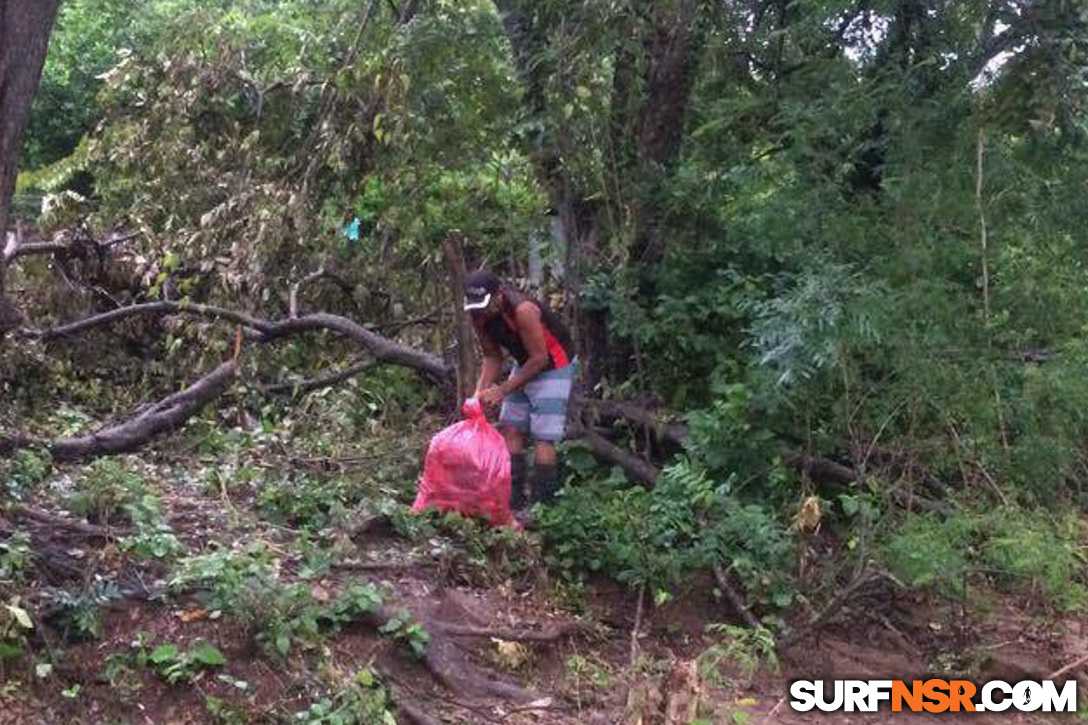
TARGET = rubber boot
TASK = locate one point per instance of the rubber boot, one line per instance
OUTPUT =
(519, 468)
(543, 484)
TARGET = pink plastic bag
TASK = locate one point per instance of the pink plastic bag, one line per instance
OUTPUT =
(467, 469)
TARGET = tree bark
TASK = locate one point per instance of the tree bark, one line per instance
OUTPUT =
(466, 362)
(25, 26)
(675, 44)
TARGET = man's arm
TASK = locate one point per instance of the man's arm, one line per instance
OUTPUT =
(492, 359)
(531, 331)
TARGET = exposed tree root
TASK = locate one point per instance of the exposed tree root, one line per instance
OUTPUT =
(451, 667)
(74, 526)
(511, 635)
(414, 713)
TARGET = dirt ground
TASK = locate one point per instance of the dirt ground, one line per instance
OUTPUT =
(581, 676)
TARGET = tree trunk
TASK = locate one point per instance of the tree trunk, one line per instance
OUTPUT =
(466, 363)
(674, 46)
(25, 26)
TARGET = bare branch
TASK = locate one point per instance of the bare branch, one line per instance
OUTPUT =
(383, 349)
(322, 381)
(17, 249)
(734, 597)
(640, 469)
(309, 279)
(167, 415)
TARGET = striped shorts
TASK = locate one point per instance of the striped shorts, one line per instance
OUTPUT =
(540, 406)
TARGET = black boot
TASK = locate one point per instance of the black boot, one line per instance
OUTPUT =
(519, 467)
(543, 484)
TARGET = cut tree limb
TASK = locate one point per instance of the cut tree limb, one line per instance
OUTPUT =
(167, 415)
(82, 528)
(383, 349)
(638, 468)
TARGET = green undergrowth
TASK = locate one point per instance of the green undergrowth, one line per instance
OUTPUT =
(656, 538)
(249, 585)
(1013, 550)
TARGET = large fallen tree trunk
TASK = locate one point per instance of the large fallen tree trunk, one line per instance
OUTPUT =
(129, 436)
(167, 415)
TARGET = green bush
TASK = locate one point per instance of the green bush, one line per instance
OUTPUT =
(654, 538)
(1010, 547)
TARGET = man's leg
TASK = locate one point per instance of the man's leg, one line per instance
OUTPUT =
(514, 421)
(519, 467)
(549, 395)
(544, 483)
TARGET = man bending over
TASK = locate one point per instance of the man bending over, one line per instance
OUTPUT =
(534, 398)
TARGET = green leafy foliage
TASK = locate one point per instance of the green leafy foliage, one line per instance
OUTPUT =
(362, 701)
(246, 584)
(176, 665)
(308, 502)
(26, 470)
(78, 610)
(109, 492)
(687, 522)
(412, 633)
(746, 651)
(1009, 547)
(15, 625)
(15, 558)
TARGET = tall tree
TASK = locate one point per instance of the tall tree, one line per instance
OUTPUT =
(25, 26)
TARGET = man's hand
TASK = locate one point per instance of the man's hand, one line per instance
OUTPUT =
(492, 396)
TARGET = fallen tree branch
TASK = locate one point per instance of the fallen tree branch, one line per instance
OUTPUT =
(638, 468)
(167, 415)
(384, 350)
(16, 249)
(823, 469)
(1079, 662)
(735, 598)
(22, 511)
(655, 421)
(322, 381)
(816, 467)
